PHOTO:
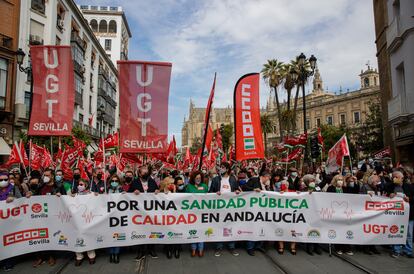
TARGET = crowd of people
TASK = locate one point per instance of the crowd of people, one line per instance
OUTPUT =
(370, 179)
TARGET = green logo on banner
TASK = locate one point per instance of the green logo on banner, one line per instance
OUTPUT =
(249, 143)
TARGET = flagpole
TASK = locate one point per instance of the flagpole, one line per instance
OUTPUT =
(30, 156)
(20, 156)
(206, 127)
(51, 145)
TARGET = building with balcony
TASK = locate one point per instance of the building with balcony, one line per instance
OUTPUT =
(9, 38)
(394, 27)
(60, 22)
(110, 26)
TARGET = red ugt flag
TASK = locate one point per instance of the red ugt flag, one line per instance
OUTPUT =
(144, 89)
(53, 91)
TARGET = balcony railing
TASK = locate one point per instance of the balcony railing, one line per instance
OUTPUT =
(6, 41)
(109, 119)
(78, 67)
(394, 33)
(88, 129)
(103, 72)
(74, 37)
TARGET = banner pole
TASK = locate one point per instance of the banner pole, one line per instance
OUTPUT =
(51, 144)
(30, 156)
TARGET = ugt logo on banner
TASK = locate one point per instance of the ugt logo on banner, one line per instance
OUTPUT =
(144, 90)
(53, 91)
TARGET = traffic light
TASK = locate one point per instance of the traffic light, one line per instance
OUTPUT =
(315, 153)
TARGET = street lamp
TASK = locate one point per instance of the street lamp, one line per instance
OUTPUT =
(303, 75)
(20, 54)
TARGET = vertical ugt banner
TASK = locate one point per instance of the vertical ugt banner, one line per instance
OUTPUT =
(53, 91)
(247, 129)
(144, 89)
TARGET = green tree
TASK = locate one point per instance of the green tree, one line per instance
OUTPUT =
(271, 74)
(267, 127)
(226, 132)
(369, 135)
(197, 143)
(331, 134)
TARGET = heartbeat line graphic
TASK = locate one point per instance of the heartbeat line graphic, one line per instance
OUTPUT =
(328, 213)
(64, 216)
(88, 216)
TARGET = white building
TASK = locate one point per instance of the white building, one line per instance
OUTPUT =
(110, 26)
(60, 22)
(400, 43)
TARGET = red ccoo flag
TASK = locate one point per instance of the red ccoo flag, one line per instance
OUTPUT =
(336, 155)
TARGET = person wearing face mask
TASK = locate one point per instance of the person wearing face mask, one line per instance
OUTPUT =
(82, 188)
(251, 173)
(72, 185)
(144, 184)
(8, 192)
(50, 187)
(351, 185)
(224, 183)
(401, 188)
(293, 179)
(196, 185)
(370, 187)
(257, 184)
(337, 186)
(98, 182)
(114, 186)
(310, 186)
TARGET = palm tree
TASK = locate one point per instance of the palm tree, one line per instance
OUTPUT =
(295, 65)
(288, 82)
(272, 75)
(266, 124)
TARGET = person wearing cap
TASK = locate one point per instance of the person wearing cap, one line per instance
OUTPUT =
(257, 184)
(224, 183)
(83, 189)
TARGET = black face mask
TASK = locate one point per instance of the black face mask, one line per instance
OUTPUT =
(76, 176)
(128, 179)
(145, 176)
(249, 175)
(99, 176)
(34, 187)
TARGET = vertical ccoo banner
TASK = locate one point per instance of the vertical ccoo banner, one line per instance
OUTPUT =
(144, 89)
(247, 127)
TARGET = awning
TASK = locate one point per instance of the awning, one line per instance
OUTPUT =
(4, 147)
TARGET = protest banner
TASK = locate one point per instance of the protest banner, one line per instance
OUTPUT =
(143, 107)
(86, 222)
(247, 129)
(53, 91)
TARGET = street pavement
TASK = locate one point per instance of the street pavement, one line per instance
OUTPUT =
(270, 262)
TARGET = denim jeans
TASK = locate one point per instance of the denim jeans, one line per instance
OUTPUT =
(114, 250)
(231, 245)
(199, 246)
(253, 245)
(408, 247)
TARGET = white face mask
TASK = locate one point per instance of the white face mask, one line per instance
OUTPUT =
(340, 183)
(81, 188)
(4, 183)
(266, 183)
(46, 179)
(351, 184)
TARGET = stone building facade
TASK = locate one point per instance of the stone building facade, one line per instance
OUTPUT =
(323, 107)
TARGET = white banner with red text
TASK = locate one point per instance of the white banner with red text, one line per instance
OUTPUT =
(87, 222)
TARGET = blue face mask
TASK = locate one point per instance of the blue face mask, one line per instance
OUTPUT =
(242, 182)
(58, 178)
(114, 184)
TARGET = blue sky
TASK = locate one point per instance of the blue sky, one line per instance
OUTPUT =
(236, 37)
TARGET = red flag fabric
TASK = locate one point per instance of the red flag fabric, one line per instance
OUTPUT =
(81, 166)
(336, 155)
(46, 159)
(18, 155)
(320, 139)
(248, 130)
(36, 156)
(294, 155)
(53, 91)
(69, 157)
(207, 129)
(90, 120)
(110, 141)
(172, 151)
(79, 144)
(144, 89)
(295, 141)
